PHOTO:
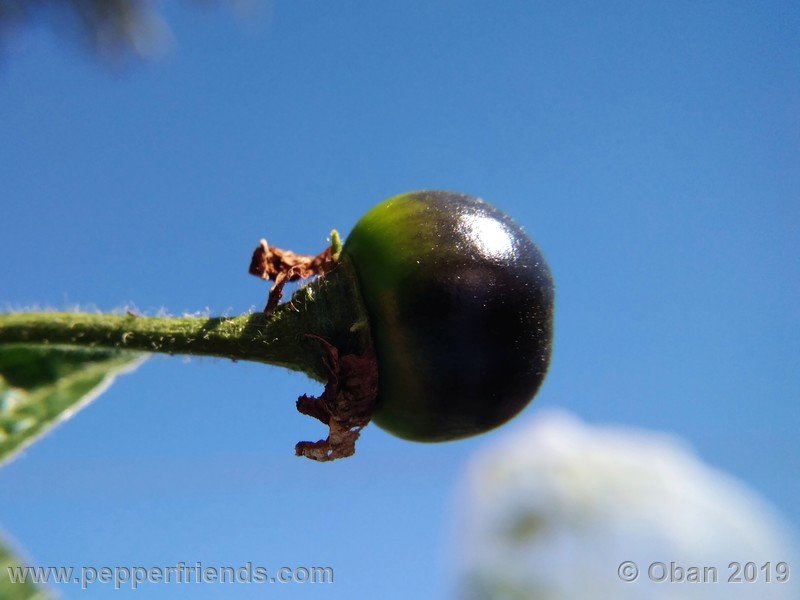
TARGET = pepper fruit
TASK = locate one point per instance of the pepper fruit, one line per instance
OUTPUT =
(460, 306)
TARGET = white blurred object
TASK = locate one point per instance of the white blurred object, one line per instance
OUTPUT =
(554, 509)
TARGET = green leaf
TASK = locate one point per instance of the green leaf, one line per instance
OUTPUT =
(42, 386)
(10, 590)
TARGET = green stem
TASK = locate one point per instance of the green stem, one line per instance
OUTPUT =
(330, 308)
(248, 337)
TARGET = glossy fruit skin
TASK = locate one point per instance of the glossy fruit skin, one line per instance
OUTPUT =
(460, 304)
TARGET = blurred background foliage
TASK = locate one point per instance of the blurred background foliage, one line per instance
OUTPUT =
(553, 508)
(117, 30)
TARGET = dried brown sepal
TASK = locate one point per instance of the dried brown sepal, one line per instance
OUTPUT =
(284, 266)
(345, 406)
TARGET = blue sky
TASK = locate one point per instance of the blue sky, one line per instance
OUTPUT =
(651, 150)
